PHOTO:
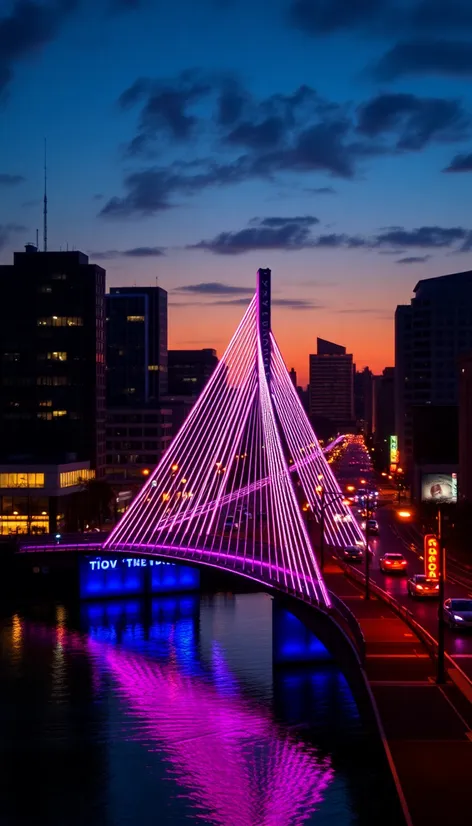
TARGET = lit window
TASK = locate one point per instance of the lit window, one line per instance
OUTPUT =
(47, 417)
(57, 356)
(58, 413)
(153, 367)
(60, 321)
(47, 403)
(10, 357)
(75, 477)
(135, 318)
(21, 480)
(130, 390)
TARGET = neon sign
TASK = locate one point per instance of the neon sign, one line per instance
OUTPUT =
(394, 454)
(107, 576)
(431, 556)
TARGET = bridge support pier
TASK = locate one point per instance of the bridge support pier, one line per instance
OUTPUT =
(292, 642)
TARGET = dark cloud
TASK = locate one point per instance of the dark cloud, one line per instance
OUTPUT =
(374, 17)
(151, 190)
(265, 135)
(135, 252)
(460, 163)
(320, 190)
(278, 135)
(295, 234)
(165, 107)
(413, 259)
(6, 179)
(287, 236)
(232, 102)
(28, 26)
(413, 121)
(325, 16)
(214, 288)
(300, 220)
(426, 57)
(427, 237)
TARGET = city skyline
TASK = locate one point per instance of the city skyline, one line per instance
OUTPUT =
(195, 161)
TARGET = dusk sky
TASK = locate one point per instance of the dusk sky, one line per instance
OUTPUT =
(194, 141)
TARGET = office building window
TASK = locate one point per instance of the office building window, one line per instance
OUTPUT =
(135, 318)
(60, 321)
(21, 480)
(75, 477)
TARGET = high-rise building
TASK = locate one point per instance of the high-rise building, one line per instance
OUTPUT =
(331, 389)
(363, 399)
(465, 428)
(189, 371)
(136, 345)
(383, 422)
(52, 384)
(293, 376)
(430, 334)
(136, 439)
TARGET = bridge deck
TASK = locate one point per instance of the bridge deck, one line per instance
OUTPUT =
(428, 728)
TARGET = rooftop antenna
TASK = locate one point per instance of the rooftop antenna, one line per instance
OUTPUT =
(37, 239)
(45, 203)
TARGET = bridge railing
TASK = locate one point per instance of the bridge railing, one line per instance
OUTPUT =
(350, 624)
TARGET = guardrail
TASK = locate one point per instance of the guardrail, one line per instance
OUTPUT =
(423, 635)
(354, 630)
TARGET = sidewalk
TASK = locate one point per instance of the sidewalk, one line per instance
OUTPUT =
(428, 728)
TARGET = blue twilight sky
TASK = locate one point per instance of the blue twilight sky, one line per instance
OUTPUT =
(193, 141)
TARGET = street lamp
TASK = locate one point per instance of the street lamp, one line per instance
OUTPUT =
(366, 504)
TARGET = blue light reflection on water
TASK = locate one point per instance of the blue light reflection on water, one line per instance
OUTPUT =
(147, 715)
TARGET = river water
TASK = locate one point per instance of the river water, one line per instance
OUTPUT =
(169, 711)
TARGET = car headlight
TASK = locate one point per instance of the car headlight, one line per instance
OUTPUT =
(458, 618)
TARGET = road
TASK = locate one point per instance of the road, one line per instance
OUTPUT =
(404, 537)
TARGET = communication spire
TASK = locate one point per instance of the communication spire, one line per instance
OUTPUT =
(45, 203)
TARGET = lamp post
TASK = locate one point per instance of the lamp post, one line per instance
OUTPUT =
(366, 500)
(440, 672)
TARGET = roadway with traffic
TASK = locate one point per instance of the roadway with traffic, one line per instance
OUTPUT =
(397, 536)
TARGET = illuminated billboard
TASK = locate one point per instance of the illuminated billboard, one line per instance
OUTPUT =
(394, 455)
(439, 487)
(112, 576)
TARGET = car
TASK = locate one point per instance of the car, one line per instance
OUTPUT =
(458, 613)
(419, 585)
(353, 553)
(390, 563)
(372, 527)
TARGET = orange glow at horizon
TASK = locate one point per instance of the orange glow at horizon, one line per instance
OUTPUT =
(198, 326)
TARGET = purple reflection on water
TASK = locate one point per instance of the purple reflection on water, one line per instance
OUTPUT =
(238, 766)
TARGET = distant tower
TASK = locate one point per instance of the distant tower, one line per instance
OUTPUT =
(293, 376)
(45, 204)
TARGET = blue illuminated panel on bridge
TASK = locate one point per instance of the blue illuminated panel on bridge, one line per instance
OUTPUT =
(292, 641)
(107, 576)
